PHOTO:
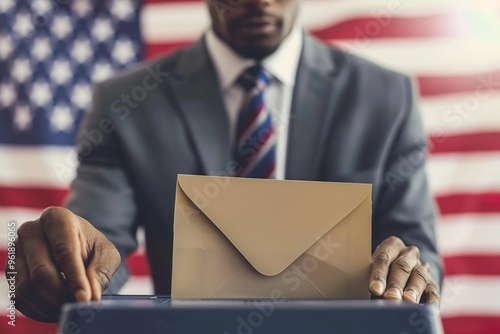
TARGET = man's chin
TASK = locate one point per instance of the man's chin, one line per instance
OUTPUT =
(257, 50)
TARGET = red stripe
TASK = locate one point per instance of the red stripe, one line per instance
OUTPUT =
(471, 324)
(25, 325)
(469, 203)
(383, 24)
(138, 264)
(470, 142)
(250, 121)
(154, 50)
(482, 265)
(31, 197)
(482, 85)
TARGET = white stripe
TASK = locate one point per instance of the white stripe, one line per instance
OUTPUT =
(186, 21)
(471, 295)
(173, 21)
(17, 215)
(461, 113)
(47, 166)
(141, 238)
(138, 286)
(469, 234)
(316, 14)
(464, 172)
(430, 56)
(4, 301)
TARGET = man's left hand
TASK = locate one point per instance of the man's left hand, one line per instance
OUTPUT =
(398, 273)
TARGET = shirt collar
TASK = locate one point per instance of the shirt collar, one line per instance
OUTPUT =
(281, 64)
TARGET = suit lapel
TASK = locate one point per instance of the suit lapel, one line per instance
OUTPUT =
(196, 92)
(311, 111)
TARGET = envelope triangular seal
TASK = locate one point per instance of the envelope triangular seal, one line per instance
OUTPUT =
(272, 222)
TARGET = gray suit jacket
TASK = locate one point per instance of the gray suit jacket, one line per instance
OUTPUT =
(351, 121)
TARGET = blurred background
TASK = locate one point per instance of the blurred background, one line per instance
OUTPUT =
(52, 51)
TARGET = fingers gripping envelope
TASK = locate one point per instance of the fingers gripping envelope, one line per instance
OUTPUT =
(257, 238)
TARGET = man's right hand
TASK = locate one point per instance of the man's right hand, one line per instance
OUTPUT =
(60, 257)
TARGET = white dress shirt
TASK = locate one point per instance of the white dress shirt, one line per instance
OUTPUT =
(281, 65)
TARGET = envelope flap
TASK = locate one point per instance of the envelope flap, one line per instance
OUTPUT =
(272, 222)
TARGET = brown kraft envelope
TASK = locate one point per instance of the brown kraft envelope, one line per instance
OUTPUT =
(259, 238)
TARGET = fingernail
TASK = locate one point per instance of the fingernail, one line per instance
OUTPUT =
(81, 296)
(411, 294)
(378, 287)
(393, 293)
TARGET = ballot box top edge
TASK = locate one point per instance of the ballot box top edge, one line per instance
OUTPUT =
(159, 302)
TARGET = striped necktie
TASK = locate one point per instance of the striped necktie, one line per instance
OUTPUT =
(255, 144)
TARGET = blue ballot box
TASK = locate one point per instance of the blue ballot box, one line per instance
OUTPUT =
(161, 315)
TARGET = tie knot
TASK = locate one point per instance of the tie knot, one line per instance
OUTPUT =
(254, 76)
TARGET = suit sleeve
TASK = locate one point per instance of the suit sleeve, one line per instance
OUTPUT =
(101, 192)
(405, 207)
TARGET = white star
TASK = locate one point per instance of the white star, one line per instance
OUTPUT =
(41, 48)
(123, 51)
(6, 5)
(81, 50)
(7, 94)
(41, 7)
(81, 7)
(61, 71)
(5, 46)
(101, 71)
(40, 93)
(81, 95)
(21, 70)
(122, 9)
(102, 29)
(61, 26)
(22, 117)
(62, 119)
(23, 25)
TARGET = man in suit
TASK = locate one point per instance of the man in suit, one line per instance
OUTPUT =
(317, 113)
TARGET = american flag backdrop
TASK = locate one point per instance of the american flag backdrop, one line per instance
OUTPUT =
(51, 51)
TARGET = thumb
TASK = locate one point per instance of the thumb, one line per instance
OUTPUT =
(102, 265)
